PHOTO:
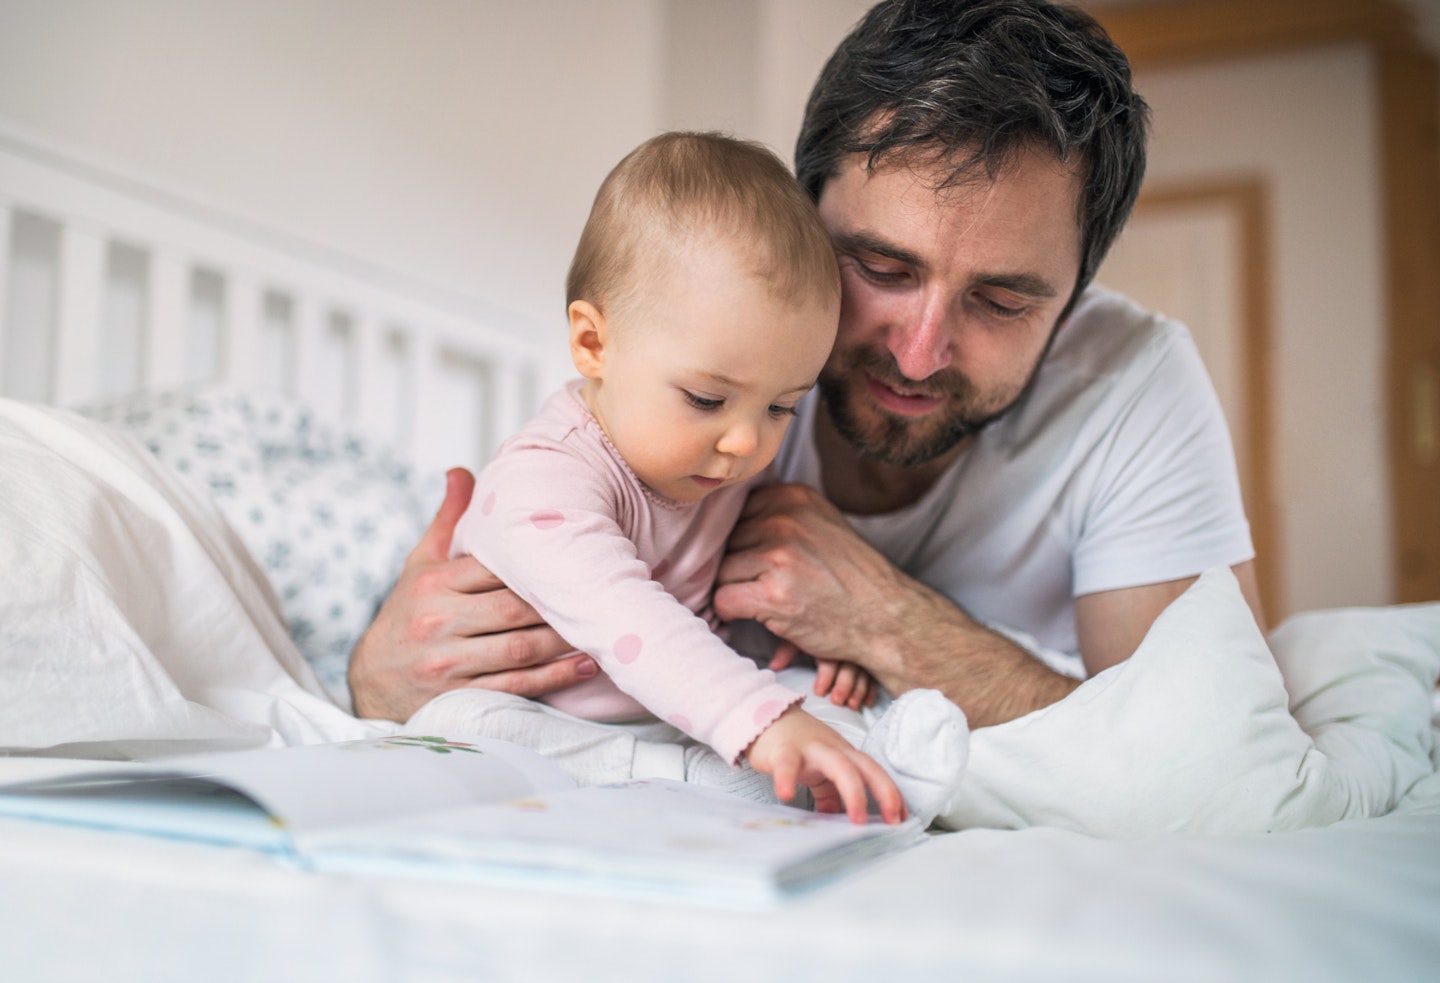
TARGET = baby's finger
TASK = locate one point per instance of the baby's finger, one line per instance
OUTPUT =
(862, 694)
(785, 654)
(883, 788)
(826, 796)
(845, 774)
(783, 775)
(825, 671)
(844, 684)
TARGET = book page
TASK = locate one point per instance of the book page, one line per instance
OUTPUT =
(284, 791)
(178, 808)
(360, 782)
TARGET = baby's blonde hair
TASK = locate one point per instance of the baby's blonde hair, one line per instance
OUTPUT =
(680, 186)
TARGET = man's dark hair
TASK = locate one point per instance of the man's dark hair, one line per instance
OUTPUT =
(969, 84)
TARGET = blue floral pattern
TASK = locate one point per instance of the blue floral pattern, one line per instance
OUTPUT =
(329, 515)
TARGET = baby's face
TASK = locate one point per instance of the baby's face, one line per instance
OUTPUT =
(703, 371)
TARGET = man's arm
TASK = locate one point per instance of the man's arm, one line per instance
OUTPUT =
(799, 568)
(1111, 624)
(451, 623)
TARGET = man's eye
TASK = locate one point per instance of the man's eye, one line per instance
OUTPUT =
(702, 402)
(999, 309)
(884, 277)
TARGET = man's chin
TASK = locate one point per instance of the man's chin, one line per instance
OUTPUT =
(900, 441)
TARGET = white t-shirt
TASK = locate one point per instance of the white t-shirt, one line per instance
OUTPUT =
(1115, 470)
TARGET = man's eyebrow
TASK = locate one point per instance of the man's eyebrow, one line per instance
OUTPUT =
(1027, 284)
(869, 242)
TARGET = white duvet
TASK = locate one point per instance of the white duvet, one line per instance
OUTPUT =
(1207, 728)
(133, 622)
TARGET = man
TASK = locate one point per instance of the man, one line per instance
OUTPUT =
(995, 444)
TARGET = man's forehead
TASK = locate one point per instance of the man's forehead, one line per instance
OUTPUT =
(922, 183)
(943, 170)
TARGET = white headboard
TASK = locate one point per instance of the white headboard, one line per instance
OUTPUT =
(108, 289)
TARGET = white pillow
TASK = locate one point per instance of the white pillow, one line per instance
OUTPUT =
(328, 514)
(1194, 732)
(135, 623)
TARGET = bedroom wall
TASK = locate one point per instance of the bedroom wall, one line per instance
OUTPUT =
(748, 65)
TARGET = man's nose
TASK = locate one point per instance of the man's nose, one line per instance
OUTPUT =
(923, 344)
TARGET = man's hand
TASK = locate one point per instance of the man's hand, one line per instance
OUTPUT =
(799, 568)
(452, 623)
(797, 748)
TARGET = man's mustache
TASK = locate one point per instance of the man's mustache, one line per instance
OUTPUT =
(881, 365)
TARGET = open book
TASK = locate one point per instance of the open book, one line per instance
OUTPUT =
(478, 810)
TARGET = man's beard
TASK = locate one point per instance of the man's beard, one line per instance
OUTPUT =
(897, 440)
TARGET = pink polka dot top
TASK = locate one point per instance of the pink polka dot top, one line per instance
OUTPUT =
(621, 574)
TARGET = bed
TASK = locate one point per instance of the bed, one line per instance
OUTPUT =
(190, 557)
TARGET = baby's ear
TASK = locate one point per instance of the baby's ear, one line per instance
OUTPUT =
(588, 336)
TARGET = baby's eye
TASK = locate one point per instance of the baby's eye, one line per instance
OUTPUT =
(780, 412)
(702, 402)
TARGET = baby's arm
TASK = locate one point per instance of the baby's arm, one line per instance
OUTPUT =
(799, 748)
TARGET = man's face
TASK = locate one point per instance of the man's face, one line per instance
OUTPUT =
(949, 299)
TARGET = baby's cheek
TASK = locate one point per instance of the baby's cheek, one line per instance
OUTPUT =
(666, 458)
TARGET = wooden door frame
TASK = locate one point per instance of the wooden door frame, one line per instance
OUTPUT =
(1246, 200)
(1160, 35)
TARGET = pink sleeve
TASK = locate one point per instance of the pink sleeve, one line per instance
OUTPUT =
(545, 523)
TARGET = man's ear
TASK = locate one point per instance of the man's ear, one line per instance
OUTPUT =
(588, 336)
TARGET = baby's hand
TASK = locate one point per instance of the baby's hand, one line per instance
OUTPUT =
(799, 748)
(845, 683)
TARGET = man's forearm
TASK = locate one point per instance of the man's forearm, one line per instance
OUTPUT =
(984, 673)
(994, 680)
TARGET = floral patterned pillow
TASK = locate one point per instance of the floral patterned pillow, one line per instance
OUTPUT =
(328, 514)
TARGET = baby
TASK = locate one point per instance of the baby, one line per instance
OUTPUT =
(703, 300)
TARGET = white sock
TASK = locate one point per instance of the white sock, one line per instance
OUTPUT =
(923, 741)
(591, 753)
